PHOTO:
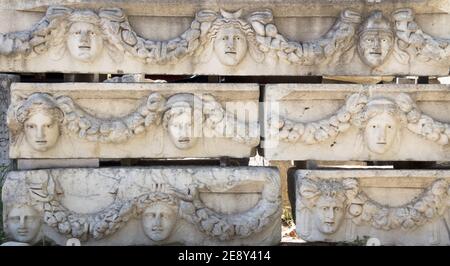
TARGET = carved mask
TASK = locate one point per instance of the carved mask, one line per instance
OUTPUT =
(159, 220)
(41, 130)
(84, 41)
(380, 132)
(376, 40)
(230, 45)
(181, 128)
(328, 214)
(23, 223)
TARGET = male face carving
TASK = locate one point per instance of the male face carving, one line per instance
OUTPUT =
(380, 132)
(230, 45)
(84, 41)
(158, 220)
(375, 47)
(328, 214)
(376, 40)
(23, 223)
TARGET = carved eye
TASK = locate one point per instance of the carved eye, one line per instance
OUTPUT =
(92, 33)
(78, 33)
(30, 126)
(237, 38)
(336, 209)
(14, 219)
(374, 126)
(225, 38)
(389, 126)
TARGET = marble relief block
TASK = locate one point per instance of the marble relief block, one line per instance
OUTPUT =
(396, 207)
(358, 38)
(114, 120)
(357, 122)
(144, 206)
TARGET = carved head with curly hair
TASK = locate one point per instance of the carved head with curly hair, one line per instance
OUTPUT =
(327, 200)
(84, 40)
(159, 212)
(231, 37)
(40, 119)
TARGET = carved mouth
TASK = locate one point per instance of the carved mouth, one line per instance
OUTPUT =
(230, 52)
(375, 53)
(22, 232)
(84, 47)
(157, 230)
(381, 143)
(41, 142)
(184, 140)
(329, 223)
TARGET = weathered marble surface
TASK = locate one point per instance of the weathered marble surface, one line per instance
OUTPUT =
(145, 206)
(398, 207)
(389, 39)
(5, 86)
(357, 122)
(107, 120)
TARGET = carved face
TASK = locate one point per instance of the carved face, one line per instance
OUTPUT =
(84, 41)
(41, 131)
(230, 45)
(181, 128)
(23, 223)
(374, 47)
(158, 221)
(380, 132)
(328, 214)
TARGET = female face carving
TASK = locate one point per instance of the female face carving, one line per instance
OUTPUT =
(23, 223)
(158, 220)
(41, 130)
(375, 46)
(328, 214)
(380, 132)
(181, 128)
(230, 45)
(84, 41)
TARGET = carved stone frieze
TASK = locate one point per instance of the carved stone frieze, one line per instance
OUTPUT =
(396, 207)
(390, 122)
(144, 206)
(169, 120)
(227, 42)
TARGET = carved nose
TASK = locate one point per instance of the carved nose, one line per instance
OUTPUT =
(330, 214)
(382, 136)
(40, 133)
(84, 38)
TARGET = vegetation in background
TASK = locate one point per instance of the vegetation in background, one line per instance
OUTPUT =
(3, 171)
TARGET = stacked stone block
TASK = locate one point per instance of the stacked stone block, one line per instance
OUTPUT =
(62, 135)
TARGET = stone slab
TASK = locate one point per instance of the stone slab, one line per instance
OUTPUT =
(145, 206)
(5, 86)
(357, 122)
(30, 164)
(396, 207)
(118, 120)
(352, 39)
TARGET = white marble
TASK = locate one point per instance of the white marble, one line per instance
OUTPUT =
(356, 122)
(361, 39)
(119, 120)
(144, 206)
(397, 207)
